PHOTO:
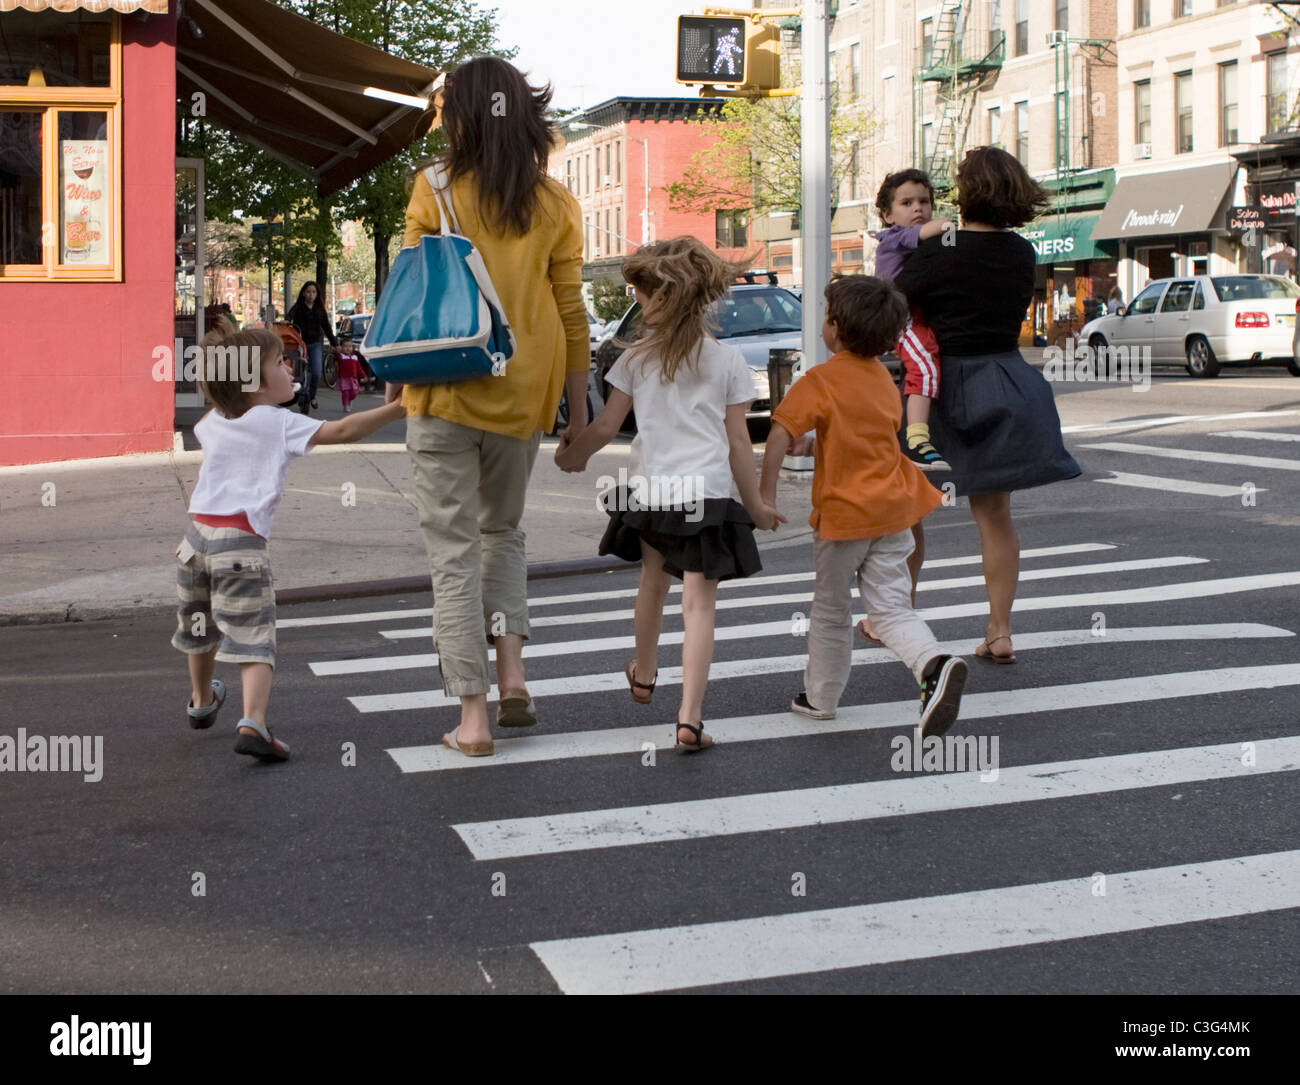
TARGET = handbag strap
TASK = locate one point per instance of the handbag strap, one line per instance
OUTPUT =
(437, 178)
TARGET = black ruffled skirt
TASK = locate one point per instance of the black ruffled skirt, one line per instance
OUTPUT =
(996, 425)
(716, 539)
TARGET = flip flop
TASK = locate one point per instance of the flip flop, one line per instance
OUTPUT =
(470, 749)
(262, 745)
(986, 653)
(203, 718)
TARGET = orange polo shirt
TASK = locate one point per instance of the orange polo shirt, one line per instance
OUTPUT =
(863, 485)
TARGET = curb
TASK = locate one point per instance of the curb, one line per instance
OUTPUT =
(62, 613)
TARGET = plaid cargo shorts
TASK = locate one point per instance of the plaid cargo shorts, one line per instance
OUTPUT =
(223, 578)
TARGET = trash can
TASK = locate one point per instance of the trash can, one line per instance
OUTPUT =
(780, 373)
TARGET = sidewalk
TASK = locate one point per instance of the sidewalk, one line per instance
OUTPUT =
(95, 538)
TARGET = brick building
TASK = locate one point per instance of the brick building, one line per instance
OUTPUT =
(618, 159)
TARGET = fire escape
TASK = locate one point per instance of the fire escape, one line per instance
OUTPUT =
(958, 59)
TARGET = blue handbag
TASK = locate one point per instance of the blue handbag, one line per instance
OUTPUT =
(439, 320)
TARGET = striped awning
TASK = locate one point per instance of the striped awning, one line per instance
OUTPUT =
(153, 7)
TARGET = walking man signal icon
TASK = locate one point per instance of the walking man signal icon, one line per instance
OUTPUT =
(727, 50)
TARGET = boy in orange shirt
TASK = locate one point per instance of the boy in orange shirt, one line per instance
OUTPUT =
(866, 496)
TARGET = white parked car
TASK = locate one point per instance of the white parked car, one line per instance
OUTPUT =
(1207, 321)
(596, 327)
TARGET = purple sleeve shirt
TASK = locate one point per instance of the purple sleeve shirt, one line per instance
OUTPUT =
(893, 247)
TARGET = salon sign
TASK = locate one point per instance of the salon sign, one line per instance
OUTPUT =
(85, 210)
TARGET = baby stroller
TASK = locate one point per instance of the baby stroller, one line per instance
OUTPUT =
(295, 349)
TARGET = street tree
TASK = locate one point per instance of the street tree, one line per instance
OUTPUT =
(752, 156)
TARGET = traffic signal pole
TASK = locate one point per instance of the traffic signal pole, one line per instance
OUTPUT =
(815, 211)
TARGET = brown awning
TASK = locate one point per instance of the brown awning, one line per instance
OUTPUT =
(154, 7)
(310, 97)
(1173, 202)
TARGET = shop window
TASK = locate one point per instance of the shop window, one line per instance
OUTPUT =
(60, 113)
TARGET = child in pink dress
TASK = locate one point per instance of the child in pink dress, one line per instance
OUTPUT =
(349, 374)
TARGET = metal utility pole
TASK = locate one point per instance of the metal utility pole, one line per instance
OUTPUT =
(815, 209)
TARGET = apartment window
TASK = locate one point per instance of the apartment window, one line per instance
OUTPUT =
(1278, 112)
(1228, 103)
(996, 33)
(586, 238)
(855, 179)
(588, 173)
(855, 70)
(1183, 111)
(618, 228)
(995, 126)
(731, 229)
(1022, 27)
(1141, 14)
(1062, 15)
(618, 163)
(927, 145)
(927, 42)
(608, 246)
(1182, 8)
(60, 146)
(1022, 133)
(568, 174)
(1142, 111)
(888, 102)
(1062, 105)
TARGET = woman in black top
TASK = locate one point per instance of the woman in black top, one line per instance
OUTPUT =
(308, 315)
(995, 418)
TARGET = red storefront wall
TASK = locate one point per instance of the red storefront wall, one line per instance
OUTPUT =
(80, 355)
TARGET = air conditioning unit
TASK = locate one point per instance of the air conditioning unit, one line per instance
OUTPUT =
(608, 180)
(1141, 150)
(1057, 37)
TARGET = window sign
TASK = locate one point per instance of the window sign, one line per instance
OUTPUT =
(86, 209)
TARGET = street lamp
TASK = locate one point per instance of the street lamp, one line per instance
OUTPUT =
(645, 148)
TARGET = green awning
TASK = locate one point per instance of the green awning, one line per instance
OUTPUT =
(1064, 239)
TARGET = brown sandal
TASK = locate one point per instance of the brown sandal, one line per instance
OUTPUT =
(691, 747)
(985, 651)
(634, 685)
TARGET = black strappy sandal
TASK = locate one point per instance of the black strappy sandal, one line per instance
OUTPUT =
(691, 747)
(634, 685)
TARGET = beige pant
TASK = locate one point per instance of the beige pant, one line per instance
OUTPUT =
(470, 487)
(880, 568)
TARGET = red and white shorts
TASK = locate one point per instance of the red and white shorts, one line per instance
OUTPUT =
(918, 350)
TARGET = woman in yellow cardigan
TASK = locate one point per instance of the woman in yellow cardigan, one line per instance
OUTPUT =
(472, 445)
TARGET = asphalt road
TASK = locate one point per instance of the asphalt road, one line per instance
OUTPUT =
(1139, 837)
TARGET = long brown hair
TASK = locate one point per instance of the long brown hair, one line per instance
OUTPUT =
(679, 280)
(497, 129)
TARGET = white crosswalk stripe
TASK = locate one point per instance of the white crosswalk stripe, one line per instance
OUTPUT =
(671, 958)
(737, 946)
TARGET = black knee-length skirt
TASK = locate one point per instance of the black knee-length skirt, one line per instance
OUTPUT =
(996, 425)
(716, 539)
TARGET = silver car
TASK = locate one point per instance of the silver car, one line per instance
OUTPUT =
(1207, 321)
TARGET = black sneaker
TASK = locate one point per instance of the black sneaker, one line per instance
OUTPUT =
(941, 686)
(800, 704)
(925, 455)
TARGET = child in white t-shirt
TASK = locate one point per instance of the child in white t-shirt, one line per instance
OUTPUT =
(673, 511)
(223, 575)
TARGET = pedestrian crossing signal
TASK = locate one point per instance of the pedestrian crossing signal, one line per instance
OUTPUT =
(726, 51)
